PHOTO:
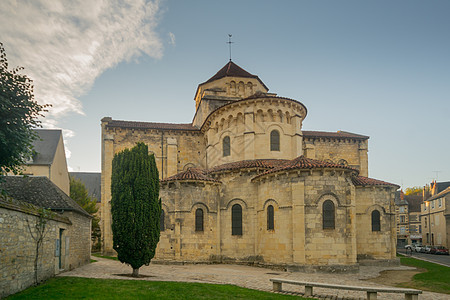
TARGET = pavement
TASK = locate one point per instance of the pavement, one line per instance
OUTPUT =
(248, 277)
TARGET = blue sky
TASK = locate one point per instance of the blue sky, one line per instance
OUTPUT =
(378, 68)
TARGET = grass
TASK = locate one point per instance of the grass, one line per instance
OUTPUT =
(104, 256)
(88, 288)
(434, 279)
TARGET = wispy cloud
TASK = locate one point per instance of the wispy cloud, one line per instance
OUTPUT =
(65, 45)
(172, 38)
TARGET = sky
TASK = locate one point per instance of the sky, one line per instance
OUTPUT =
(377, 68)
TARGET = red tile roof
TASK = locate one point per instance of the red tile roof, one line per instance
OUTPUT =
(338, 134)
(232, 69)
(366, 181)
(249, 164)
(151, 125)
(191, 174)
(302, 162)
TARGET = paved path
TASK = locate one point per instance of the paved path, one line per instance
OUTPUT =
(245, 276)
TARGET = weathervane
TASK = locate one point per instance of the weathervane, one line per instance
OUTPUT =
(229, 43)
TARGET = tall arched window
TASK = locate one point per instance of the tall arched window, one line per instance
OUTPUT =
(226, 146)
(161, 221)
(236, 220)
(270, 218)
(328, 214)
(376, 220)
(274, 140)
(199, 219)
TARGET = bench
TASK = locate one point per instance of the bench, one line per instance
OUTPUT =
(410, 294)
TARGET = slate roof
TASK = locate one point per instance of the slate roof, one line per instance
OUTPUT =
(249, 164)
(440, 195)
(302, 163)
(414, 202)
(151, 125)
(191, 174)
(92, 182)
(366, 181)
(442, 186)
(41, 192)
(338, 134)
(45, 146)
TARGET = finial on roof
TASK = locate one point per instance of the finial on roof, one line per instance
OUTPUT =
(229, 43)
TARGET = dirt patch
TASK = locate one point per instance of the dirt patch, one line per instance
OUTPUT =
(396, 277)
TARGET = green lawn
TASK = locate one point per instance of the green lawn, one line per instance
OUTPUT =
(435, 279)
(87, 288)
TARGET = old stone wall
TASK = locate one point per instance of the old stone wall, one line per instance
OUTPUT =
(353, 151)
(18, 249)
(248, 124)
(375, 244)
(77, 241)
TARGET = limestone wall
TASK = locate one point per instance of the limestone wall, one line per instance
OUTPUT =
(249, 123)
(180, 240)
(375, 244)
(353, 151)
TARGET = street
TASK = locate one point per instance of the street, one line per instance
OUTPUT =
(440, 259)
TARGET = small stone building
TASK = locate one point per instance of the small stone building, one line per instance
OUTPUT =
(244, 183)
(66, 243)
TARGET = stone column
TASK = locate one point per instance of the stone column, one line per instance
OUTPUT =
(310, 150)
(107, 157)
(298, 222)
(249, 134)
(363, 160)
(172, 156)
(297, 137)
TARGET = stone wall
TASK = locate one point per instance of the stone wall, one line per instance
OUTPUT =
(17, 247)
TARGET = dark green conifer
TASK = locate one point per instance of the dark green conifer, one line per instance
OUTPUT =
(135, 206)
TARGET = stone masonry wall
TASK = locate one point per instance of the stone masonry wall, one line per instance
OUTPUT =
(17, 250)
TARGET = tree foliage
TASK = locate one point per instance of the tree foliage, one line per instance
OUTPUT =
(135, 206)
(415, 190)
(19, 114)
(79, 193)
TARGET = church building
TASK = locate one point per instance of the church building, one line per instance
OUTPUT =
(243, 183)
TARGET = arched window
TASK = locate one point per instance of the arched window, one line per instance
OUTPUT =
(328, 214)
(226, 146)
(199, 219)
(376, 220)
(161, 221)
(270, 218)
(274, 140)
(236, 220)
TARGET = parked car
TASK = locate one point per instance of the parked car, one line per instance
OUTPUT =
(418, 248)
(427, 249)
(440, 250)
(408, 247)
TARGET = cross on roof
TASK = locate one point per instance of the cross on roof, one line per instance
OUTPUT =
(229, 43)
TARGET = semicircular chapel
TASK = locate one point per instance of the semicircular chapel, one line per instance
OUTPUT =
(243, 183)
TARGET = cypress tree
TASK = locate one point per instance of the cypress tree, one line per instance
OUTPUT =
(135, 206)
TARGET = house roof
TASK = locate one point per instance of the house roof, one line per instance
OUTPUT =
(414, 202)
(191, 174)
(442, 186)
(440, 195)
(338, 134)
(301, 163)
(92, 182)
(366, 181)
(41, 192)
(45, 146)
(233, 70)
(151, 125)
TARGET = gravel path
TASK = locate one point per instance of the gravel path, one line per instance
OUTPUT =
(245, 276)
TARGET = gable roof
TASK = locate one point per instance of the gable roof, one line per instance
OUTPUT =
(92, 182)
(335, 135)
(440, 195)
(45, 146)
(442, 186)
(41, 192)
(233, 70)
(366, 181)
(151, 125)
